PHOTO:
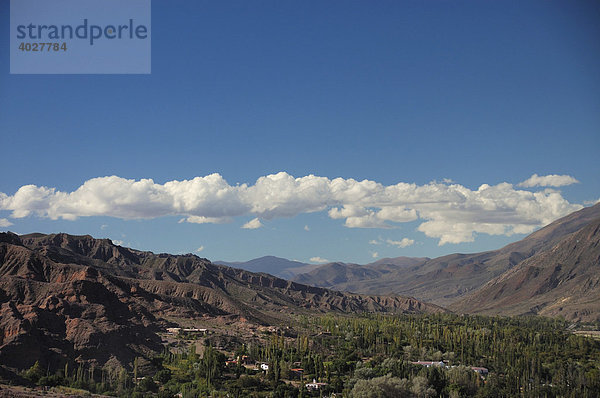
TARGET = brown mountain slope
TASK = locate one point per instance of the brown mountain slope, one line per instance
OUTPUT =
(65, 298)
(446, 279)
(561, 281)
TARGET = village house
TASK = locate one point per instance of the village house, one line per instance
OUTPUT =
(477, 369)
(314, 385)
(429, 364)
(296, 373)
(193, 331)
(245, 360)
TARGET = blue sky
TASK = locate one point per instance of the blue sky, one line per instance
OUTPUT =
(444, 96)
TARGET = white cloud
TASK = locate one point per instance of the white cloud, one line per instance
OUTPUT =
(374, 254)
(405, 242)
(118, 242)
(446, 211)
(360, 217)
(318, 260)
(206, 220)
(5, 223)
(306, 228)
(200, 249)
(103, 226)
(252, 224)
(551, 180)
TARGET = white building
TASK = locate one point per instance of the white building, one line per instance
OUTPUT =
(314, 385)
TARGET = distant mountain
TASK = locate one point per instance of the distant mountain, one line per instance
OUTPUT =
(354, 277)
(563, 280)
(272, 265)
(67, 298)
(444, 280)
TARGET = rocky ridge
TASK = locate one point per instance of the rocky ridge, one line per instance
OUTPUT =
(75, 298)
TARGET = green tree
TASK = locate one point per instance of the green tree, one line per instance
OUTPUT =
(421, 388)
(34, 373)
(381, 387)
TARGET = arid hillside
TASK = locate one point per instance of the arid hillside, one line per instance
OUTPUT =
(445, 280)
(561, 281)
(65, 298)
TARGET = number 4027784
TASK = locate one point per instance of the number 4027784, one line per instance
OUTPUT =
(43, 46)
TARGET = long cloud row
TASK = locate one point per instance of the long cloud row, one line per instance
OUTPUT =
(448, 211)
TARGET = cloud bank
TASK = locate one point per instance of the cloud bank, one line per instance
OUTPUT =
(447, 211)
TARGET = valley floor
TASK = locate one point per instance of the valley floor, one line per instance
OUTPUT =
(440, 355)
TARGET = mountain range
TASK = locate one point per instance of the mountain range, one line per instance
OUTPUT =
(75, 298)
(466, 282)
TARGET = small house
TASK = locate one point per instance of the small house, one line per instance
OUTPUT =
(297, 373)
(195, 331)
(314, 385)
(429, 364)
